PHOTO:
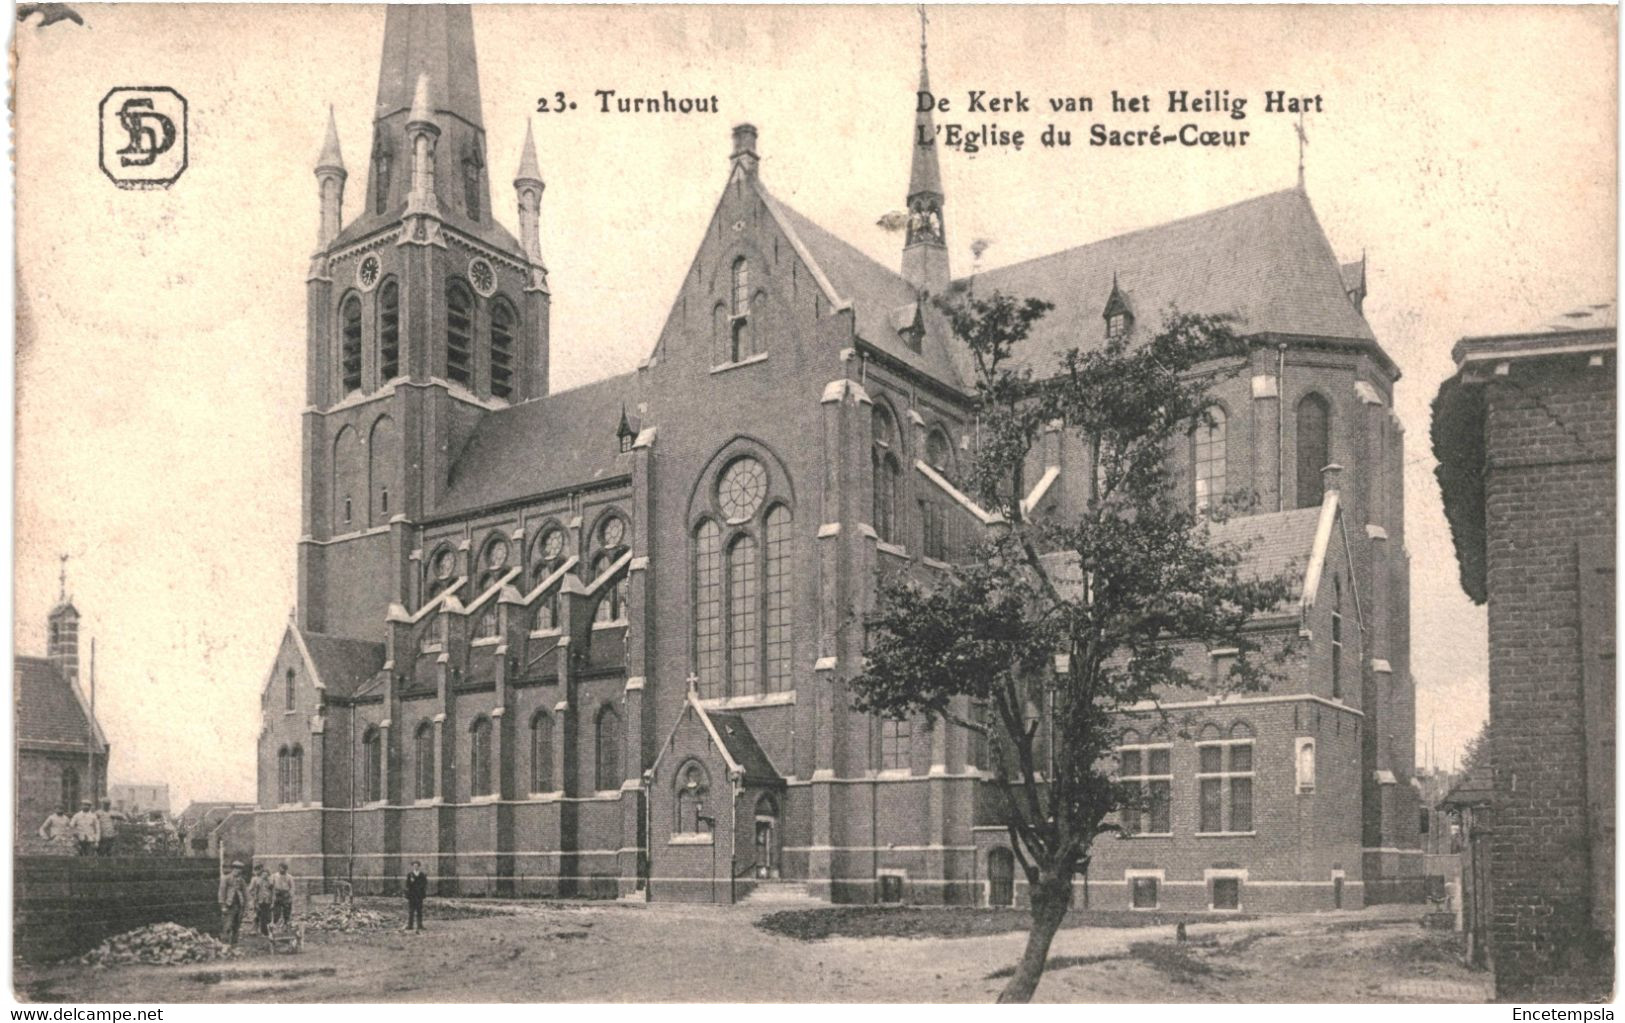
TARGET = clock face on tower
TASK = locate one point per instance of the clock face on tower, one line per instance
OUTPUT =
(367, 271)
(482, 276)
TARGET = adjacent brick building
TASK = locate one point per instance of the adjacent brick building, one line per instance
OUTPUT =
(61, 753)
(596, 641)
(1525, 436)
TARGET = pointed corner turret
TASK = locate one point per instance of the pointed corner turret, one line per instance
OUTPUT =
(530, 172)
(925, 252)
(332, 159)
(330, 176)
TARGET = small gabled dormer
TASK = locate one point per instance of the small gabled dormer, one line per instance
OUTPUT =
(625, 435)
(909, 322)
(1118, 315)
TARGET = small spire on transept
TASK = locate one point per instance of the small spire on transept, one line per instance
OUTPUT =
(331, 158)
(925, 252)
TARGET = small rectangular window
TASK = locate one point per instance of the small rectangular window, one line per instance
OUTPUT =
(891, 888)
(1227, 893)
(1145, 891)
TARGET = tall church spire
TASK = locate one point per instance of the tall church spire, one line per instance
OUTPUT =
(925, 253)
(433, 42)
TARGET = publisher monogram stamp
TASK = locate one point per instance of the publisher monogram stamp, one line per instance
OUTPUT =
(143, 136)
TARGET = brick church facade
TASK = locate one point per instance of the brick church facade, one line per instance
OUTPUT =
(595, 642)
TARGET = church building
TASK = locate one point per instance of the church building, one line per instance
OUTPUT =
(596, 642)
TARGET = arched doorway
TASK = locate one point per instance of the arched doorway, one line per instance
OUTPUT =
(1001, 878)
(767, 837)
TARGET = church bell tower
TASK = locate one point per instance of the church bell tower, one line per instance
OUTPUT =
(424, 315)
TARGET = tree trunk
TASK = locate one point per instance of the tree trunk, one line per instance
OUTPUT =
(1051, 898)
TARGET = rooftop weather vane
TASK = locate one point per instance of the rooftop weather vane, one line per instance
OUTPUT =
(1303, 140)
(923, 22)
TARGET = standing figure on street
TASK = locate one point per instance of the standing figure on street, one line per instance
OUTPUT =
(87, 830)
(233, 897)
(58, 830)
(263, 897)
(109, 829)
(282, 895)
(417, 889)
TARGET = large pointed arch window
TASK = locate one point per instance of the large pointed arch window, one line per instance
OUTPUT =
(744, 666)
(888, 474)
(1314, 438)
(708, 609)
(541, 752)
(350, 343)
(459, 335)
(1208, 459)
(503, 328)
(389, 331)
(479, 757)
(607, 742)
(742, 342)
(372, 759)
(744, 586)
(423, 760)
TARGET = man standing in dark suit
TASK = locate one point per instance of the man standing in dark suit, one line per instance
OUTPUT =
(417, 889)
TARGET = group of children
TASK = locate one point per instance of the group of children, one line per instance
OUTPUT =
(271, 895)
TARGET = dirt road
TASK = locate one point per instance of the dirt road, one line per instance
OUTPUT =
(618, 953)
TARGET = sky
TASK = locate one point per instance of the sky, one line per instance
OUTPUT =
(160, 350)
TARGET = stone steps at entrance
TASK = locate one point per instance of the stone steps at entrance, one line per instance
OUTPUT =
(780, 893)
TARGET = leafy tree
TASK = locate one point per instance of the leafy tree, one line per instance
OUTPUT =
(1477, 750)
(1118, 588)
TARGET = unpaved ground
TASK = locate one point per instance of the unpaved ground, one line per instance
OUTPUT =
(619, 952)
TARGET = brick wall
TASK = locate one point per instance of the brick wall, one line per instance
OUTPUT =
(66, 905)
(1549, 492)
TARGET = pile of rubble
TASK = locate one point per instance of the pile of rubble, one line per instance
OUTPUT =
(348, 920)
(165, 944)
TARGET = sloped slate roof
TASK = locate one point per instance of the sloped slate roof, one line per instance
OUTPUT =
(342, 664)
(49, 711)
(202, 811)
(546, 444)
(1477, 789)
(877, 296)
(1265, 260)
(489, 232)
(742, 747)
(1274, 543)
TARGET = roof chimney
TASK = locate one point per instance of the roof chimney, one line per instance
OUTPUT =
(744, 154)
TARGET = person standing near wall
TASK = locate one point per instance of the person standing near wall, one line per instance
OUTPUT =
(282, 895)
(107, 827)
(58, 830)
(233, 897)
(263, 896)
(87, 830)
(417, 889)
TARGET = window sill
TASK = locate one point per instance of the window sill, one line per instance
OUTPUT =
(373, 804)
(436, 649)
(486, 641)
(1149, 834)
(930, 562)
(546, 633)
(545, 797)
(895, 550)
(619, 623)
(290, 711)
(481, 800)
(762, 700)
(895, 772)
(1226, 834)
(426, 802)
(690, 839)
(751, 361)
